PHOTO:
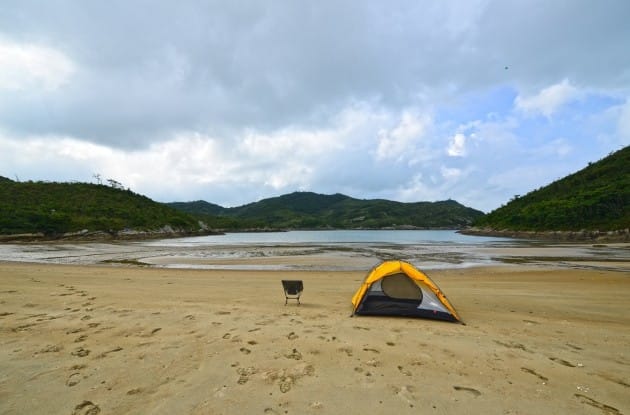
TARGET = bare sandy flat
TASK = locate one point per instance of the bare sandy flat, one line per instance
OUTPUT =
(128, 340)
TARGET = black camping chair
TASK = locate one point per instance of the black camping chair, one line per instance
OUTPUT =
(292, 290)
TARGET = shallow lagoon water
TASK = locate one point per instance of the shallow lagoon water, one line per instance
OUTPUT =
(336, 237)
(325, 250)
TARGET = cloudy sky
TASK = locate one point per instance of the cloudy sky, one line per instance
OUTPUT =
(235, 101)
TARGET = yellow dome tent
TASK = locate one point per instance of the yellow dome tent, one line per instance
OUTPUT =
(396, 288)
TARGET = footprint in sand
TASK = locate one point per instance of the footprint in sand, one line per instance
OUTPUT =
(574, 347)
(561, 361)
(155, 330)
(86, 408)
(81, 338)
(607, 409)
(244, 374)
(361, 328)
(292, 336)
(286, 378)
(114, 350)
(512, 345)
(475, 392)
(23, 327)
(346, 350)
(73, 379)
(52, 348)
(533, 372)
(245, 350)
(286, 384)
(80, 352)
(294, 354)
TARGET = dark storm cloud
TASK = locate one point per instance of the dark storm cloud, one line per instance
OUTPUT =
(145, 69)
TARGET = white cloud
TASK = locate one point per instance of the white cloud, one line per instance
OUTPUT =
(450, 173)
(401, 141)
(418, 188)
(288, 143)
(548, 100)
(25, 66)
(51, 149)
(457, 145)
(283, 158)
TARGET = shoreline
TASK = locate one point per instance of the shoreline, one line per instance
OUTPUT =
(126, 340)
(101, 236)
(582, 236)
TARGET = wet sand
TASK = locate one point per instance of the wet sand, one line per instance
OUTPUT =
(328, 257)
(128, 340)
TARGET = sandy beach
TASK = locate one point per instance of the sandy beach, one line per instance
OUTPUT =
(90, 339)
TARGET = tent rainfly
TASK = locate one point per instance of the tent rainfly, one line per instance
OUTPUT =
(396, 288)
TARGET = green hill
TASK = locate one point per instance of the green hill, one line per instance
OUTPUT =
(307, 210)
(199, 207)
(54, 209)
(595, 198)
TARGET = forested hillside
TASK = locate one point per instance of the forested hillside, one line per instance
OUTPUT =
(595, 198)
(307, 210)
(57, 208)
